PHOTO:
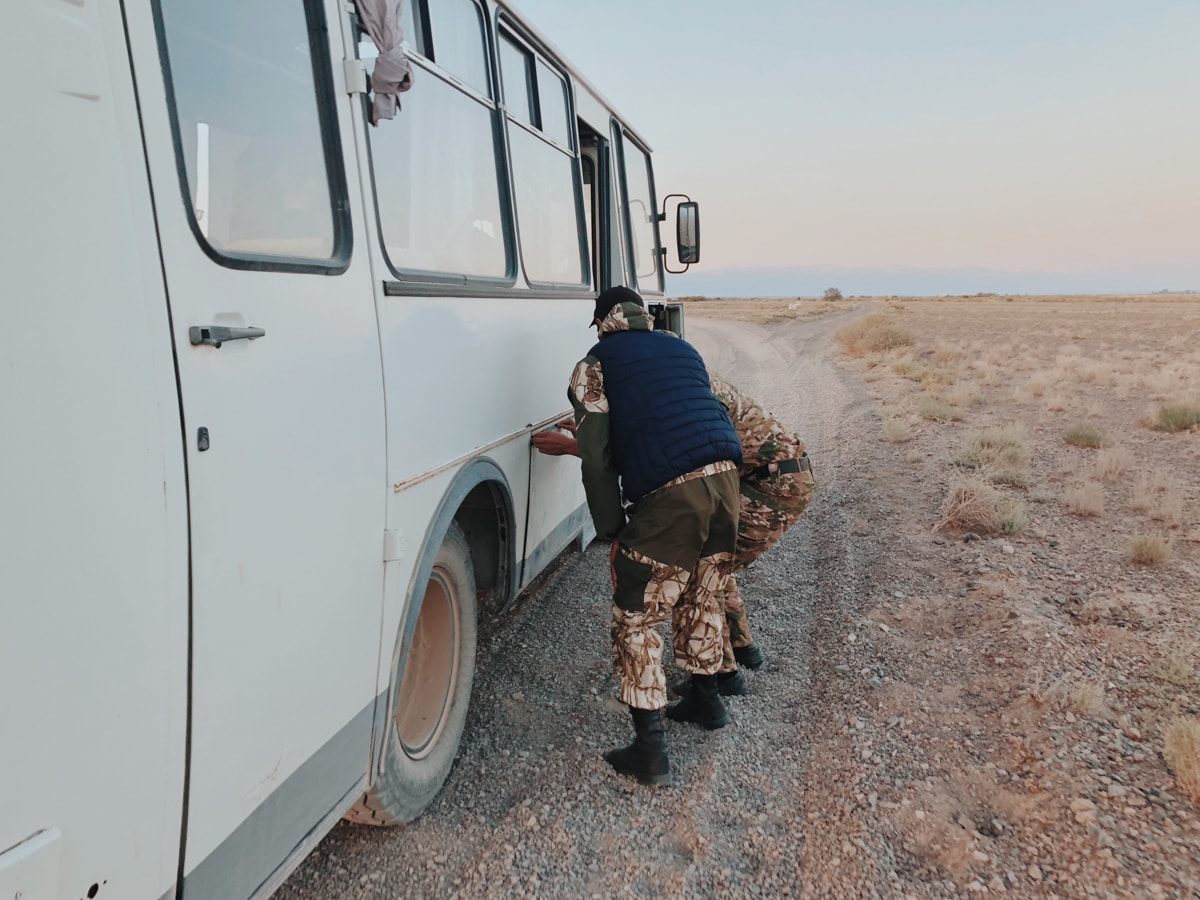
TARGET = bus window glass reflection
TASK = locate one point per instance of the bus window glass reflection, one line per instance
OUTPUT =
(264, 190)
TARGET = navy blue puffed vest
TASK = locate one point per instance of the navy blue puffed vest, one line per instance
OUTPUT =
(664, 419)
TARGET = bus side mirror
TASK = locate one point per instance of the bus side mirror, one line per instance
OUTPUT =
(687, 232)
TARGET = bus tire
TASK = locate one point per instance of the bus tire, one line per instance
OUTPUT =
(431, 692)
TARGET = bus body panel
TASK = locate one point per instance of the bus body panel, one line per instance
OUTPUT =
(93, 540)
(268, 501)
(287, 490)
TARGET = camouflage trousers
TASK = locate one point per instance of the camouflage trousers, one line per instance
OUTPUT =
(671, 560)
(768, 508)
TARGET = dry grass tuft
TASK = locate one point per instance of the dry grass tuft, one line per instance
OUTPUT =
(990, 376)
(876, 333)
(1177, 668)
(999, 453)
(1111, 463)
(933, 406)
(1088, 700)
(897, 430)
(963, 396)
(1158, 494)
(974, 504)
(1055, 401)
(1086, 499)
(1173, 417)
(1084, 435)
(1149, 549)
(1181, 750)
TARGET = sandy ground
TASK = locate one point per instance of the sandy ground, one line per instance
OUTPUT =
(941, 714)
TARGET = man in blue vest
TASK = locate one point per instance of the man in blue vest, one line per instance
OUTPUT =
(652, 435)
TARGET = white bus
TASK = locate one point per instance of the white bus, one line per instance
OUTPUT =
(269, 374)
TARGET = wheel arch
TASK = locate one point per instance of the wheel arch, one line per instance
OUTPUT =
(480, 500)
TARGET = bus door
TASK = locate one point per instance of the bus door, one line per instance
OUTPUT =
(280, 379)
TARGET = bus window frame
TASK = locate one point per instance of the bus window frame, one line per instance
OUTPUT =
(317, 29)
(430, 282)
(623, 134)
(505, 25)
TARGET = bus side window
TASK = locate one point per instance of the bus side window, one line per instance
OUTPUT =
(548, 202)
(259, 177)
(436, 176)
(641, 212)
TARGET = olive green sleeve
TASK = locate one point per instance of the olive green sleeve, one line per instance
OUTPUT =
(600, 479)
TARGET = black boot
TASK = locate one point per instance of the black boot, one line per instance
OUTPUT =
(749, 656)
(646, 758)
(702, 705)
(731, 684)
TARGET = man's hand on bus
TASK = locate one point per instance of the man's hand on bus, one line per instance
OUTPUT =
(555, 443)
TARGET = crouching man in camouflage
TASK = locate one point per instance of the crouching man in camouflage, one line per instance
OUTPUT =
(648, 428)
(776, 486)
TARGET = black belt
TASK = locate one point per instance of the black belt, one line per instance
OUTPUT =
(783, 467)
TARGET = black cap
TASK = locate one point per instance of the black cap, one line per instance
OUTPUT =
(611, 297)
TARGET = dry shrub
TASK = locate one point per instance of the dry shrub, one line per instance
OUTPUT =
(974, 504)
(1086, 499)
(1084, 435)
(1111, 463)
(999, 453)
(1096, 373)
(1055, 401)
(1181, 750)
(1159, 495)
(876, 333)
(1088, 700)
(990, 376)
(1149, 549)
(1040, 382)
(963, 397)
(1178, 667)
(939, 376)
(1173, 417)
(948, 355)
(897, 430)
(914, 456)
(1169, 507)
(934, 406)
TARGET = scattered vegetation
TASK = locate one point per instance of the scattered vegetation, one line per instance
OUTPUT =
(897, 430)
(934, 406)
(1149, 549)
(999, 453)
(876, 333)
(1084, 435)
(1111, 463)
(1086, 499)
(974, 504)
(1173, 417)
(963, 396)
(1181, 750)
(1178, 668)
(1157, 494)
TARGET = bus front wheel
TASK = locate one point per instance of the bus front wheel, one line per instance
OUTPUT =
(431, 692)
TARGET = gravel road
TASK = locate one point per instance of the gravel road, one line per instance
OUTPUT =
(532, 809)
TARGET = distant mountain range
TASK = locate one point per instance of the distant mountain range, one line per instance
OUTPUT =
(811, 281)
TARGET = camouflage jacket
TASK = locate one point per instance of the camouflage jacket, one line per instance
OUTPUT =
(764, 439)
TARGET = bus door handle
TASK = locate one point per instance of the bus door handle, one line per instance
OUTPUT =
(216, 335)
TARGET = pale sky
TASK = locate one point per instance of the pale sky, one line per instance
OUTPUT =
(1015, 135)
